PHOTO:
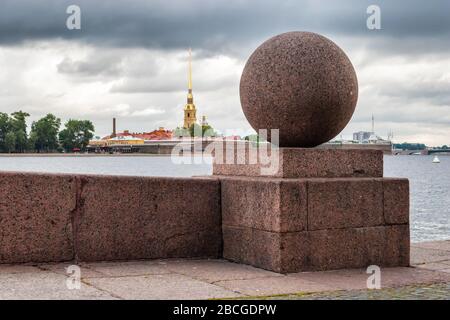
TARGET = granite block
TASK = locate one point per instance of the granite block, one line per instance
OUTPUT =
(288, 205)
(298, 162)
(397, 251)
(264, 204)
(331, 163)
(385, 246)
(293, 205)
(144, 218)
(35, 217)
(258, 248)
(396, 200)
(344, 203)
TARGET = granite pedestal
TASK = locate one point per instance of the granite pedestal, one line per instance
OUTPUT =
(323, 209)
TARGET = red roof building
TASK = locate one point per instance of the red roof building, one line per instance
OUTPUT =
(160, 134)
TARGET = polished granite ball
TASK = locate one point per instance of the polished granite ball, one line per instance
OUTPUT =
(302, 84)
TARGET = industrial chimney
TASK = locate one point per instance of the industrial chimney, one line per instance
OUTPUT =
(114, 133)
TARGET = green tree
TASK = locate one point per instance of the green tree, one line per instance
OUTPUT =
(76, 134)
(10, 142)
(195, 130)
(18, 125)
(4, 129)
(410, 146)
(181, 132)
(44, 133)
(208, 131)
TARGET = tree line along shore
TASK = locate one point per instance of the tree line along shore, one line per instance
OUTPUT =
(45, 135)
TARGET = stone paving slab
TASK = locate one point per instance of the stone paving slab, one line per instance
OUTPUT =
(352, 279)
(443, 266)
(274, 285)
(121, 269)
(163, 286)
(425, 255)
(216, 270)
(44, 285)
(216, 278)
(438, 245)
(61, 268)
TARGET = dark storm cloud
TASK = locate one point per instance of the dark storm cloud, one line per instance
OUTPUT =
(218, 25)
(136, 54)
(93, 66)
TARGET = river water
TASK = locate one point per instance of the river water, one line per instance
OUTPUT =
(429, 183)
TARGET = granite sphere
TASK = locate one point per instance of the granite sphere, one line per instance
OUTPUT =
(302, 84)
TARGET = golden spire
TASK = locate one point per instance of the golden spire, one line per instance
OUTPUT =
(189, 109)
(190, 71)
(190, 117)
(190, 97)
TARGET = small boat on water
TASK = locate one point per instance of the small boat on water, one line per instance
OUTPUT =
(436, 159)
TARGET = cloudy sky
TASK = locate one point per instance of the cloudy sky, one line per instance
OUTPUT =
(129, 60)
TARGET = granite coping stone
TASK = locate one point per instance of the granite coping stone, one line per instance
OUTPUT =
(248, 160)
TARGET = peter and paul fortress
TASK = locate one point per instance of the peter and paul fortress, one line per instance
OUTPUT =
(136, 141)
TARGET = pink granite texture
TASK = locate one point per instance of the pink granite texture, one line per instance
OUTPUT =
(36, 217)
(264, 204)
(345, 203)
(246, 160)
(301, 83)
(328, 249)
(144, 218)
(51, 218)
(292, 225)
(396, 200)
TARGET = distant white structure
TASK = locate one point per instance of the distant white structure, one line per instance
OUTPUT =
(361, 136)
(369, 136)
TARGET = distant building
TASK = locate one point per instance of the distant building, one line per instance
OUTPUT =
(160, 134)
(124, 140)
(367, 137)
(370, 136)
(362, 136)
(118, 140)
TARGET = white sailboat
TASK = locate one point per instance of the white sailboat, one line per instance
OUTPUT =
(436, 159)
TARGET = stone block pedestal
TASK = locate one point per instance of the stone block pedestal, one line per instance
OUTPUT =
(316, 223)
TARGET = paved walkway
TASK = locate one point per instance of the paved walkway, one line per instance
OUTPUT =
(205, 279)
(437, 291)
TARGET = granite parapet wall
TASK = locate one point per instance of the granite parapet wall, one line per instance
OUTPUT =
(52, 218)
(280, 224)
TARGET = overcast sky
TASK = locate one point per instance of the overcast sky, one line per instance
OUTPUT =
(129, 60)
